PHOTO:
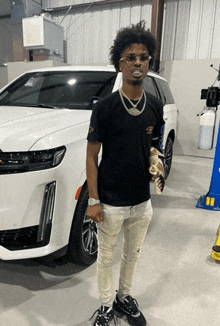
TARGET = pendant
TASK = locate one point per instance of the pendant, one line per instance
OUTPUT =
(135, 111)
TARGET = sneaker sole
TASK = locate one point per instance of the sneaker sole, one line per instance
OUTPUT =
(120, 314)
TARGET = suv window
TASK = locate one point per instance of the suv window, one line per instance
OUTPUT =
(66, 89)
(167, 97)
(150, 86)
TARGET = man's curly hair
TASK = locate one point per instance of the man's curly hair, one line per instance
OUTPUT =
(130, 35)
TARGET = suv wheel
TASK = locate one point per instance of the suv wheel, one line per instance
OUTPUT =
(83, 243)
(168, 155)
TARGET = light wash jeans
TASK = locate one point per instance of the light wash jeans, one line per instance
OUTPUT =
(135, 221)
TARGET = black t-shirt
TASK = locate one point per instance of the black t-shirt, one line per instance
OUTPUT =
(123, 176)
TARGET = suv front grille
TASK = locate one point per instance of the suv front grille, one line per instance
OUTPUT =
(33, 236)
(25, 238)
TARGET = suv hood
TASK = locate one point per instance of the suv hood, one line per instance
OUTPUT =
(21, 127)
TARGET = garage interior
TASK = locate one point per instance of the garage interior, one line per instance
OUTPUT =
(177, 279)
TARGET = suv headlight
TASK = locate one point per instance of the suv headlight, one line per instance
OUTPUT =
(18, 162)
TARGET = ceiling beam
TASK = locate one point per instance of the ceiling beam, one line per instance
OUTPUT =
(84, 5)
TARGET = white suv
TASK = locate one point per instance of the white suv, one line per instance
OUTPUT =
(44, 122)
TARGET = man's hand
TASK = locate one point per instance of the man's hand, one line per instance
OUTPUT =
(95, 212)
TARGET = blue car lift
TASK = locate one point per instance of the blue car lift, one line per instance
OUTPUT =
(211, 200)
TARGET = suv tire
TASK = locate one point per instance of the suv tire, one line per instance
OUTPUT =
(83, 242)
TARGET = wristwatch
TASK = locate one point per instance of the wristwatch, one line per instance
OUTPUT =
(92, 201)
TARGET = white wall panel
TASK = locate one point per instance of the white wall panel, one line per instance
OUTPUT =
(90, 31)
(96, 37)
(215, 50)
(114, 22)
(169, 32)
(191, 29)
(74, 36)
(62, 3)
(182, 26)
(125, 16)
(146, 11)
(206, 31)
(136, 13)
(194, 29)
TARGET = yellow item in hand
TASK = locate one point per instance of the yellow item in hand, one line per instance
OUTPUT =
(157, 170)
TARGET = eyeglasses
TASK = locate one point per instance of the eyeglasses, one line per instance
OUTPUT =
(131, 59)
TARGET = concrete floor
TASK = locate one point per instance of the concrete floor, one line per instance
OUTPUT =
(177, 281)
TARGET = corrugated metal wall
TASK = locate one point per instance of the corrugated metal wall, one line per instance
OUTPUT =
(61, 3)
(89, 31)
(191, 28)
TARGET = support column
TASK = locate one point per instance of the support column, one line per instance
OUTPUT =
(157, 27)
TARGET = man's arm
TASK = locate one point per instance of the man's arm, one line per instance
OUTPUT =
(94, 212)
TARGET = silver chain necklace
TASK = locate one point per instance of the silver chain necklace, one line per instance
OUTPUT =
(133, 111)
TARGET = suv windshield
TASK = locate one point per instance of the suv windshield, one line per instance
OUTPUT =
(66, 89)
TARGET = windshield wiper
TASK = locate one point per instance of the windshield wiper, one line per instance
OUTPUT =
(42, 105)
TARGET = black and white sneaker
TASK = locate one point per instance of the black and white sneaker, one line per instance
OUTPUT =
(129, 308)
(104, 317)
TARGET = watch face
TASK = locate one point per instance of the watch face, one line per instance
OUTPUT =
(90, 202)
(93, 201)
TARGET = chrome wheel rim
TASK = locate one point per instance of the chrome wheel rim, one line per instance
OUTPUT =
(89, 236)
(168, 157)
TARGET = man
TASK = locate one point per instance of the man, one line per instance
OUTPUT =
(127, 124)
